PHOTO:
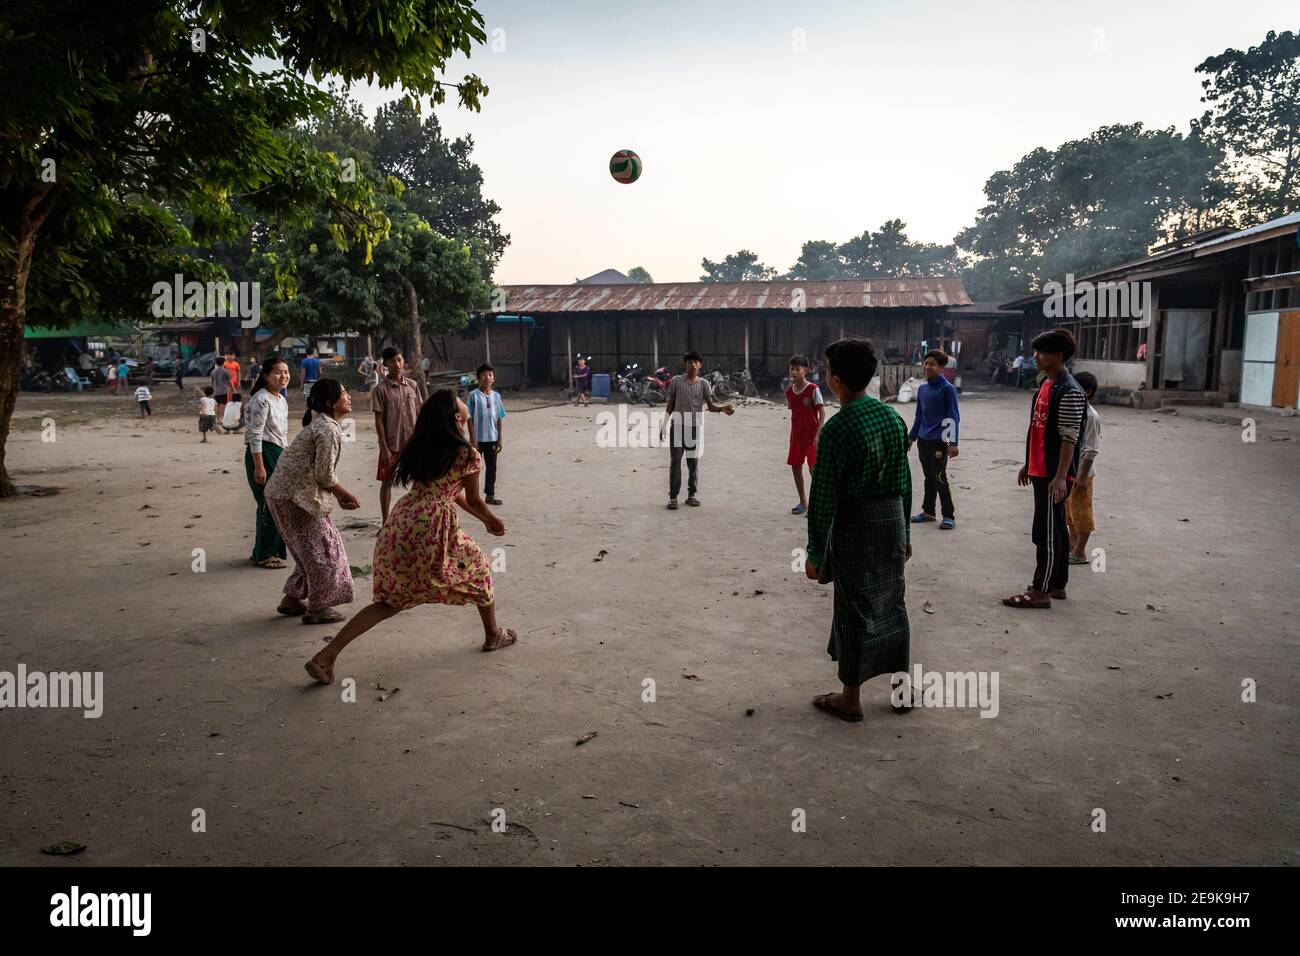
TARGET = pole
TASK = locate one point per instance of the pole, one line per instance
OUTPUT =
(487, 340)
(747, 343)
(568, 353)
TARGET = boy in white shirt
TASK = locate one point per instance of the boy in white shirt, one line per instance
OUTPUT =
(1078, 507)
(232, 419)
(207, 412)
(142, 396)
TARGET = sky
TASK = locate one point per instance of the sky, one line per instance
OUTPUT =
(765, 123)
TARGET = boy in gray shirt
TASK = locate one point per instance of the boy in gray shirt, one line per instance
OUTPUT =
(688, 397)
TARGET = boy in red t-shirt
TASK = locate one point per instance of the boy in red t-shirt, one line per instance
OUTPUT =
(807, 411)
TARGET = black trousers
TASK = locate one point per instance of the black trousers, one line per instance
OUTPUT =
(489, 453)
(684, 439)
(1051, 538)
(936, 475)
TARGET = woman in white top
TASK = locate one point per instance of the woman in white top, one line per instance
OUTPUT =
(267, 416)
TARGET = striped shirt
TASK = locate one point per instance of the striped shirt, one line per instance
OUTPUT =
(861, 453)
(485, 410)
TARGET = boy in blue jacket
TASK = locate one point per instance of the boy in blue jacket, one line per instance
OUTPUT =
(934, 430)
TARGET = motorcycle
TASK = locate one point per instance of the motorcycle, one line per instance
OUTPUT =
(656, 385)
(718, 382)
(742, 383)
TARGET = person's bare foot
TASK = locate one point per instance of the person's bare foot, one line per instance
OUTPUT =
(291, 607)
(321, 672)
(504, 637)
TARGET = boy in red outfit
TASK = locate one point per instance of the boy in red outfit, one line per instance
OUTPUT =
(807, 412)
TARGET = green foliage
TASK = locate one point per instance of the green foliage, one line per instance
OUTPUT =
(886, 252)
(1089, 204)
(742, 266)
(1254, 99)
(639, 275)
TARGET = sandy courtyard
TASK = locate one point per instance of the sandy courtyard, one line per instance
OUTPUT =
(1127, 697)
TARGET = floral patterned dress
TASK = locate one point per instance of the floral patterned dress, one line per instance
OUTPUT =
(422, 556)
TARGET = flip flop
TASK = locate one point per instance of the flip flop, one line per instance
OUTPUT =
(292, 612)
(505, 637)
(798, 510)
(1057, 595)
(921, 518)
(947, 524)
(1079, 559)
(693, 501)
(823, 703)
(672, 505)
(1024, 601)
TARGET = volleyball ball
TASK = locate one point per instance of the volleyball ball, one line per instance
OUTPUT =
(625, 166)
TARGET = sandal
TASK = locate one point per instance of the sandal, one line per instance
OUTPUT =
(321, 675)
(505, 637)
(1057, 594)
(274, 563)
(921, 518)
(947, 524)
(292, 611)
(327, 616)
(905, 708)
(798, 509)
(693, 501)
(1079, 559)
(672, 504)
(1025, 601)
(823, 703)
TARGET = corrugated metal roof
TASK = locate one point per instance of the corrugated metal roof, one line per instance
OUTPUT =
(838, 294)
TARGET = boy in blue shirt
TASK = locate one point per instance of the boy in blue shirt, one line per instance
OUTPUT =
(934, 430)
(486, 425)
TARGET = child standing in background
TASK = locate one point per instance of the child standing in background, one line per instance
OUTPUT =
(1078, 506)
(486, 424)
(207, 412)
(142, 396)
(807, 412)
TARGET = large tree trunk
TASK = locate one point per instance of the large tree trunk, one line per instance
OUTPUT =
(13, 312)
(415, 351)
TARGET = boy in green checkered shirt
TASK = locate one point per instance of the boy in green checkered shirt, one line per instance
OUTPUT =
(858, 534)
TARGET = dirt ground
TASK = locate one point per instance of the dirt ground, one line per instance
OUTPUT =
(1126, 697)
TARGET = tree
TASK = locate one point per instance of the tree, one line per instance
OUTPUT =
(818, 260)
(1254, 112)
(149, 127)
(1089, 204)
(443, 186)
(889, 252)
(637, 274)
(742, 266)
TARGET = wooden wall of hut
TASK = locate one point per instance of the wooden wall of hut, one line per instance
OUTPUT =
(616, 339)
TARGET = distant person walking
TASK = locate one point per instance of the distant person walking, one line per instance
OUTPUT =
(395, 401)
(1056, 417)
(301, 495)
(267, 418)
(422, 555)
(582, 382)
(310, 371)
(934, 431)
(142, 396)
(221, 388)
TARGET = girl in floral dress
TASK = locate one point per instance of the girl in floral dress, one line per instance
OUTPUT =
(422, 556)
